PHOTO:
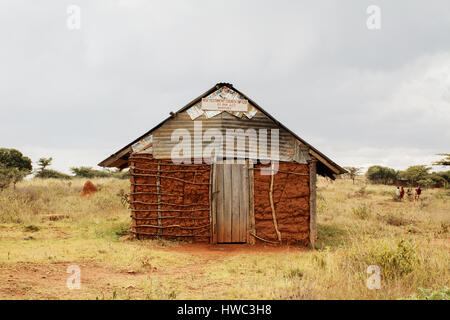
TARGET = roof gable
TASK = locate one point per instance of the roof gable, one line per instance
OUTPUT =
(223, 91)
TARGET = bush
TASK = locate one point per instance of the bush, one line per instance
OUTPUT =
(379, 174)
(294, 273)
(395, 219)
(397, 261)
(362, 211)
(394, 261)
(51, 174)
(430, 294)
(89, 173)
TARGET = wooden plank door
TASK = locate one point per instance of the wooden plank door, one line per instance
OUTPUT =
(231, 202)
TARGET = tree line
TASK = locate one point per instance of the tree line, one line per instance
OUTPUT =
(14, 167)
(418, 174)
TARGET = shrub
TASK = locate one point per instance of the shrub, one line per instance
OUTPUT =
(395, 261)
(89, 173)
(362, 211)
(31, 228)
(51, 174)
(294, 273)
(394, 219)
(362, 192)
(430, 294)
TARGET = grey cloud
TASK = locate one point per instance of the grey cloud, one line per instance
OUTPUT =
(314, 65)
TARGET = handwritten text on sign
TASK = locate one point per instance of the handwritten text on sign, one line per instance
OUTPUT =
(224, 105)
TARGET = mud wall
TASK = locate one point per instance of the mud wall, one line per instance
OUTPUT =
(291, 202)
(178, 208)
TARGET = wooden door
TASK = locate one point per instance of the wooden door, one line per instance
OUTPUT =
(230, 202)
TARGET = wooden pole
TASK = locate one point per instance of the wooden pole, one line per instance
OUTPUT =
(133, 214)
(158, 188)
(251, 211)
(212, 203)
(312, 202)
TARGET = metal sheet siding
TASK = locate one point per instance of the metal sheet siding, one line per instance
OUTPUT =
(162, 144)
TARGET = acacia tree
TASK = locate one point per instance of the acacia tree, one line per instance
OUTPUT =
(6, 177)
(14, 167)
(44, 163)
(380, 174)
(416, 174)
(353, 172)
(443, 162)
(45, 173)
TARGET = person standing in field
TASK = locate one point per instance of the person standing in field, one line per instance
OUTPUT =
(409, 194)
(417, 195)
(402, 193)
(397, 193)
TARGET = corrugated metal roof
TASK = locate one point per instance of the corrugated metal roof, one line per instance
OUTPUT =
(119, 158)
(163, 144)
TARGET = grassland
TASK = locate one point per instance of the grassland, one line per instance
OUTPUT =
(45, 226)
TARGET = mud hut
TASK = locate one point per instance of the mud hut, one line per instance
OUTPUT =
(223, 170)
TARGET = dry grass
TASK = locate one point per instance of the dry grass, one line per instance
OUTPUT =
(45, 226)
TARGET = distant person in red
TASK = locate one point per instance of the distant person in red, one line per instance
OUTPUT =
(402, 193)
(418, 192)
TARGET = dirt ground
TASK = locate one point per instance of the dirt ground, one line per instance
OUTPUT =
(48, 281)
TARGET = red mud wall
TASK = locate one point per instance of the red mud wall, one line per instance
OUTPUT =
(291, 201)
(184, 207)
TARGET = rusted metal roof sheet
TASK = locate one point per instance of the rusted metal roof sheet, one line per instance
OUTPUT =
(163, 145)
(262, 119)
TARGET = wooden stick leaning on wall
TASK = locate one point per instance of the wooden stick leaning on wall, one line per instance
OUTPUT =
(262, 239)
(274, 216)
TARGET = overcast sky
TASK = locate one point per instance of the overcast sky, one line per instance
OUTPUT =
(360, 96)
